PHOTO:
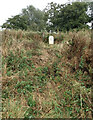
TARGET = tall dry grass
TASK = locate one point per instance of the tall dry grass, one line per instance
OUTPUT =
(59, 76)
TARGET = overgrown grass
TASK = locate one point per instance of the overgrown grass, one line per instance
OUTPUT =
(46, 81)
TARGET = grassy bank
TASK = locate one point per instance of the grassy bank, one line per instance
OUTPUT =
(46, 81)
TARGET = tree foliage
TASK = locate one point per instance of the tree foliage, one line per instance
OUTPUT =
(16, 22)
(67, 16)
(54, 17)
(30, 18)
(34, 18)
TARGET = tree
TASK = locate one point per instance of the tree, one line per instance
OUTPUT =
(74, 16)
(51, 12)
(68, 16)
(16, 22)
(30, 19)
(34, 18)
(91, 14)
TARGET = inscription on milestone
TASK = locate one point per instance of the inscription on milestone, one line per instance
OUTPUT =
(51, 40)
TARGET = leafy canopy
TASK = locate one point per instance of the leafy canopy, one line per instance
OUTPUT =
(30, 18)
(67, 16)
(55, 17)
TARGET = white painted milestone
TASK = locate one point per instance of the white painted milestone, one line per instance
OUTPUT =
(51, 39)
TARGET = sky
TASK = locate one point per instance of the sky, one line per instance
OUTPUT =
(10, 8)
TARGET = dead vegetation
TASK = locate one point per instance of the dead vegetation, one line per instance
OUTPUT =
(46, 81)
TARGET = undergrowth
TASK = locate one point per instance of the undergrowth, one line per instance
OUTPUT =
(46, 81)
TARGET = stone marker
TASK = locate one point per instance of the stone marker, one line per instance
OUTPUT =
(51, 39)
